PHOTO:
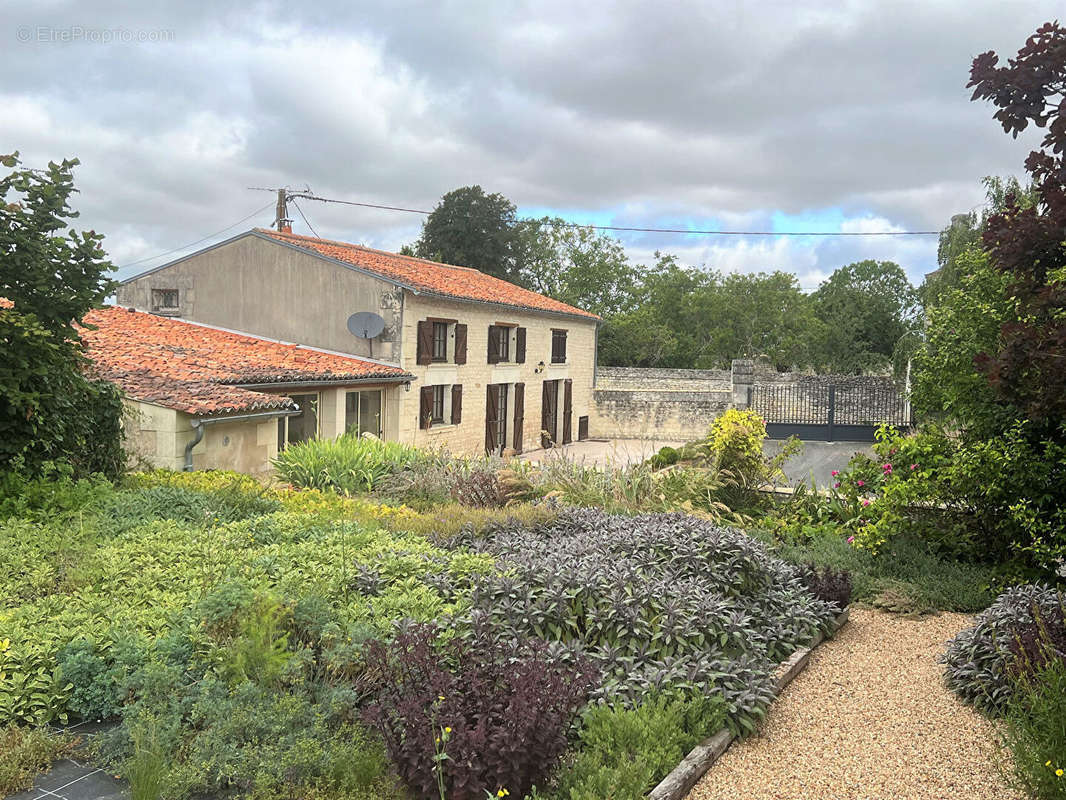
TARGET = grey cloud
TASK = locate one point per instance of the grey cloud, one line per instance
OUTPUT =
(672, 111)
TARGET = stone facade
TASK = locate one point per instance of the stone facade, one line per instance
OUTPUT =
(157, 436)
(274, 290)
(468, 437)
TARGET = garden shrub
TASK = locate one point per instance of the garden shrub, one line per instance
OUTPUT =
(349, 464)
(998, 499)
(127, 510)
(499, 710)
(656, 602)
(1035, 645)
(54, 493)
(978, 660)
(828, 584)
(667, 456)
(479, 488)
(25, 753)
(1035, 732)
(623, 753)
(735, 442)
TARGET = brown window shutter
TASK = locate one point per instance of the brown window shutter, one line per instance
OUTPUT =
(460, 344)
(425, 343)
(568, 410)
(494, 353)
(519, 414)
(425, 406)
(457, 403)
(492, 416)
(520, 346)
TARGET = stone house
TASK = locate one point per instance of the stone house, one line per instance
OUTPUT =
(492, 367)
(198, 397)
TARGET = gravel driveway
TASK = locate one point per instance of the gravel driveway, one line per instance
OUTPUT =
(869, 718)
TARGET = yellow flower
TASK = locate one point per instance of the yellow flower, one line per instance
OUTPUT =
(1058, 772)
(447, 730)
(441, 697)
(502, 793)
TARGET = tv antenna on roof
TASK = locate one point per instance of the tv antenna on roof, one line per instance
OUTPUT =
(366, 325)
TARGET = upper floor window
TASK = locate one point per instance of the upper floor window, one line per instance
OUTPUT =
(503, 343)
(558, 346)
(507, 344)
(165, 299)
(440, 341)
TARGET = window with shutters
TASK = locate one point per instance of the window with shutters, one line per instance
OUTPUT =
(558, 346)
(436, 416)
(440, 341)
(503, 343)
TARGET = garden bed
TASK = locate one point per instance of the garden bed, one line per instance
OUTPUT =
(261, 642)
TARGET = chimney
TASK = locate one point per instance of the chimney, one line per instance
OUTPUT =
(285, 226)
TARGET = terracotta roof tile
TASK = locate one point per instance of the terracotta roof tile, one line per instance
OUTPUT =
(199, 370)
(462, 283)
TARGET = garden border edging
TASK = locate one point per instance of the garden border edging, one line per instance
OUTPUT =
(702, 757)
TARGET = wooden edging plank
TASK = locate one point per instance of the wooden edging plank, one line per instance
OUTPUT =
(700, 759)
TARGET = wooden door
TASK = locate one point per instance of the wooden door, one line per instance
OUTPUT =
(568, 411)
(549, 413)
(492, 417)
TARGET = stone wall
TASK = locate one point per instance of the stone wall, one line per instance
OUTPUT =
(680, 404)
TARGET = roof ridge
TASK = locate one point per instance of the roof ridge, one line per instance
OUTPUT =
(353, 245)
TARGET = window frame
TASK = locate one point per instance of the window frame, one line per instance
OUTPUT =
(159, 299)
(503, 343)
(558, 334)
(439, 327)
(438, 403)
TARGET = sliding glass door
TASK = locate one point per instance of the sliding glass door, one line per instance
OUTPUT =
(362, 413)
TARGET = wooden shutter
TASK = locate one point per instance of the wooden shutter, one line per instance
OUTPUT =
(492, 417)
(520, 346)
(425, 342)
(494, 351)
(547, 413)
(460, 344)
(457, 403)
(425, 406)
(519, 414)
(568, 410)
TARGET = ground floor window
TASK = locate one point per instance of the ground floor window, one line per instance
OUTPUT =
(362, 412)
(437, 413)
(302, 426)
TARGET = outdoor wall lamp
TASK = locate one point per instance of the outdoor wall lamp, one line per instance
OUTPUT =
(407, 386)
(539, 369)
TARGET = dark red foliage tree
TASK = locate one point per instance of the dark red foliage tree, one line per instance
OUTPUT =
(1029, 244)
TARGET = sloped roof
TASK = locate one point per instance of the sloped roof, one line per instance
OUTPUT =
(200, 370)
(461, 283)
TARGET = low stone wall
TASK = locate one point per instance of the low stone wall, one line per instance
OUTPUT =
(637, 403)
(651, 414)
(664, 380)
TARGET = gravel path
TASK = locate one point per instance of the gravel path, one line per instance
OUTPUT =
(869, 718)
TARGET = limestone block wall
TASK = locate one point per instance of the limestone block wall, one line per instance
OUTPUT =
(468, 437)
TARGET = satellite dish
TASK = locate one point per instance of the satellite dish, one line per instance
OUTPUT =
(365, 324)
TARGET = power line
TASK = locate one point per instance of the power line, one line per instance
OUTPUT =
(198, 241)
(304, 218)
(630, 229)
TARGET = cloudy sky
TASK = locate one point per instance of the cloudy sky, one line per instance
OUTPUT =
(722, 115)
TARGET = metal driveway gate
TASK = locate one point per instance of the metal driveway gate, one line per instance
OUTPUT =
(828, 412)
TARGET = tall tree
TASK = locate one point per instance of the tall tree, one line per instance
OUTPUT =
(472, 229)
(50, 276)
(1027, 368)
(866, 307)
(577, 265)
